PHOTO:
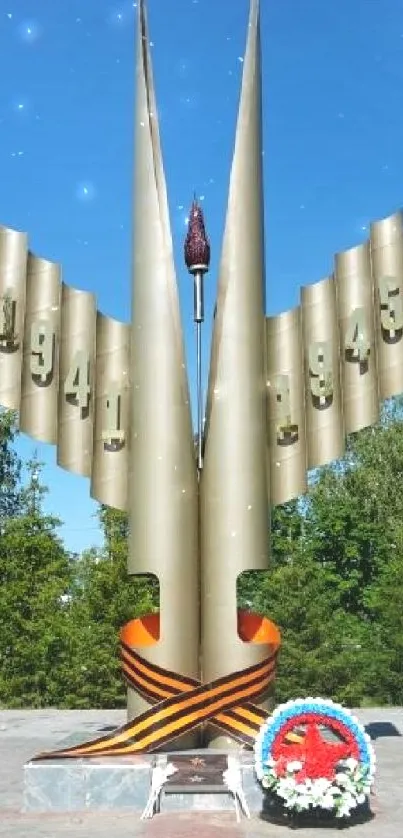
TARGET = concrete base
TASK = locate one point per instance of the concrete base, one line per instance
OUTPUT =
(122, 783)
(86, 785)
(24, 733)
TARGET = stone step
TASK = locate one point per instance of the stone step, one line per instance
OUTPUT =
(123, 784)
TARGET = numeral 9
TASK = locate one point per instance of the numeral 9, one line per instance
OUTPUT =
(42, 349)
(321, 370)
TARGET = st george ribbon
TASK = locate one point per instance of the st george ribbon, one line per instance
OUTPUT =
(283, 393)
(180, 704)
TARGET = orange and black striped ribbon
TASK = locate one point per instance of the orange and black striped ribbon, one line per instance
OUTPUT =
(181, 704)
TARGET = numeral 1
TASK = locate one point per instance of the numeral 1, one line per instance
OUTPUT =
(286, 429)
(8, 310)
(112, 432)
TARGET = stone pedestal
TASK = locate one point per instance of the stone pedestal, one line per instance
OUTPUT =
(87, 785)
(121, 784)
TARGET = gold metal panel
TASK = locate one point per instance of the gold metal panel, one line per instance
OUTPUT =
(234, 507)
(324, 417)
(163, 490)
(387, 266)
(286, 407)
(355, 302)
(13, 264)
(76, 383)
(40, 368)
(111, 434)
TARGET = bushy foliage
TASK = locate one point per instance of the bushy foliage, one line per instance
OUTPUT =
(335, 586)
(36, 575)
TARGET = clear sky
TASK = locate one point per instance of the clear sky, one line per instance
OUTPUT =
(333, 140)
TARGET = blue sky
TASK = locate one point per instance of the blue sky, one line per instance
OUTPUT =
(333, 140)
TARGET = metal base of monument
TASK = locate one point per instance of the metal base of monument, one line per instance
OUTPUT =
(274, 812)
(197, 783)
(123, 783)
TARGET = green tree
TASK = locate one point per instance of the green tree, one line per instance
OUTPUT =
(355, 508)
(323, 650)
(36, 580)
(385, 665)
(335, 585)
(10, 468)
(104, 599)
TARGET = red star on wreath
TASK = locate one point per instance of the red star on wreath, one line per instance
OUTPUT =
(318, 756)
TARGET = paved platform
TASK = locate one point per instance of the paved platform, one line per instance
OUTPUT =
(24, 733)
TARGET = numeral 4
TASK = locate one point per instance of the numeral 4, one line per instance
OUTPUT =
(356, 338)
(77, 383)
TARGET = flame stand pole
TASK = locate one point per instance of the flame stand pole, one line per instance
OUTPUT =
(197, 258)
(199, 318)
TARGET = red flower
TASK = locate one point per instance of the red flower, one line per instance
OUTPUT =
(281, 766)
(318, 756)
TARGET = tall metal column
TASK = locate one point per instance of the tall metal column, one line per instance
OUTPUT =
(163, 488)
(234, 509)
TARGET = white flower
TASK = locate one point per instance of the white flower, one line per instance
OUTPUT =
(343, 812)
(348, 800)
(321, 785)
(286, 786)
(294, 766)
(320, 790)
(351, 763)
(327, 802)
(345, 781)
(303, 802)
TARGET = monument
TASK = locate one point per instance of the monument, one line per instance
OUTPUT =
(186, 528)
(283, 393)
